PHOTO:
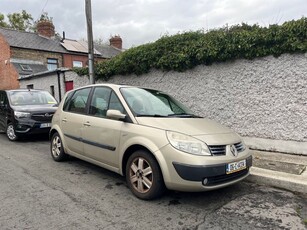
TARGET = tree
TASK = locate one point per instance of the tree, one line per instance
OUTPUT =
(2, 22)
(21, 21)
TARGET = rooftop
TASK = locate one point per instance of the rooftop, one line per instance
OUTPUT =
(29, 40)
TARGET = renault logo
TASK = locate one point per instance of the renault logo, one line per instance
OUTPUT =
(233, 150)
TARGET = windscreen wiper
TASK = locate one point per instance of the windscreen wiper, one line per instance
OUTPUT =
(150, 115)
(184, 115)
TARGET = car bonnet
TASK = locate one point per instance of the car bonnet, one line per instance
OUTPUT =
(189, 126)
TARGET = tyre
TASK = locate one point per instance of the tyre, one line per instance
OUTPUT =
(10, 132)
(56, 148)
(144, 176)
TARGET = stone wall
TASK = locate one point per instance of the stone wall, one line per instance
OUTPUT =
(36, 55)
(264, 100)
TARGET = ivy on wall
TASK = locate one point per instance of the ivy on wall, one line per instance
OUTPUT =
(187, 50)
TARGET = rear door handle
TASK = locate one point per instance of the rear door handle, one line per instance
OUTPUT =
(64, 120)
(87, 124)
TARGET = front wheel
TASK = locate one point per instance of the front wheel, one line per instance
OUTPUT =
(56, 148)
(144, 176)
(11, 133)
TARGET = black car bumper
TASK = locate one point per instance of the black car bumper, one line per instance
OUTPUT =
(31, 127)
(210, 175)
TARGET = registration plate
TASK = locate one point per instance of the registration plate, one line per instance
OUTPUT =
(235, 166)
(45, 125)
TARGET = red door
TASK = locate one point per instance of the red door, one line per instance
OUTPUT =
(69, 85)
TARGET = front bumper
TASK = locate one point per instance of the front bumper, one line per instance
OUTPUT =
(31, 127)
(185, 172)
(211, 174)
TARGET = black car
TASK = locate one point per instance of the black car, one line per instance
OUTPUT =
(26, 111)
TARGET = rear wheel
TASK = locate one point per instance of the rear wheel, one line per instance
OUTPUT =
(144, 176)
(56, 148)
(11, 133)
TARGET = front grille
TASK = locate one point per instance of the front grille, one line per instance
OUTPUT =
(216, 180)
(220, 150)
(46, 117)
(240, 147)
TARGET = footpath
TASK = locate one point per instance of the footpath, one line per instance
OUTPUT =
(279, 170)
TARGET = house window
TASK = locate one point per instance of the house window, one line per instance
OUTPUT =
(77, 64)
(30, 86)
(25, 67)
(52, 63)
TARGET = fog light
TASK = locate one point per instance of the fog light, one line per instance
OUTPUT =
(205, 181)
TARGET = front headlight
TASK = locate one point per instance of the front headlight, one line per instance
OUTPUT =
(21, 114)
(187, 144)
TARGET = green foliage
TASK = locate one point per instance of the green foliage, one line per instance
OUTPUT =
(189, 49)
(80, 71)
(2, 21)
(20, 21)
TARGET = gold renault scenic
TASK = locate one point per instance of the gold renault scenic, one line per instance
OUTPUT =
(149, 137)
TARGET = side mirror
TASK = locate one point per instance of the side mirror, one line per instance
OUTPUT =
(115, 114)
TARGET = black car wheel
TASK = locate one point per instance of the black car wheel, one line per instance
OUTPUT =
(56, 148)
(144, 176)
(10, 132)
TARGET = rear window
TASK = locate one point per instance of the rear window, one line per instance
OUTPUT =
(31, 98)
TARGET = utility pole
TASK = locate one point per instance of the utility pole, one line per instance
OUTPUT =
(88, 13)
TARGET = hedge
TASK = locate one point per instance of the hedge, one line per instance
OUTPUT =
(189, 49)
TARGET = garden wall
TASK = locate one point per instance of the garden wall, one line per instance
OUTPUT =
(264, 100)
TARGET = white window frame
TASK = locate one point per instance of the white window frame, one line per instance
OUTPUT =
(77, 64)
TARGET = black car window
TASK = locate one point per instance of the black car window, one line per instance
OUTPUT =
(1, 98)
(78, 101)
(67, 100)
(115, 103)
(29, 97)
(100, 100)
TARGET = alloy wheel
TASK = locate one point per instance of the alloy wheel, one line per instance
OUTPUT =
(141, 175)
(11, 132)
(56, 146)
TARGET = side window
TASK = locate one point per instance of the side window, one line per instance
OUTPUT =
(3, 98)
(115, 103)
(67, 100)
(100, 100)
(77, 102)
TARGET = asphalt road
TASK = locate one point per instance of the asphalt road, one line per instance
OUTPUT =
(38, 193)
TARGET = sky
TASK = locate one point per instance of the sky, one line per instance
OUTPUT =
(144, 21)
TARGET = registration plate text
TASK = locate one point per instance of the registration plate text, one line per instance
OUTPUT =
(45, 125)
(235, 166)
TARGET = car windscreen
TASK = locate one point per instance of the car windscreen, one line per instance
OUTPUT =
(18, 98)
(153, 103)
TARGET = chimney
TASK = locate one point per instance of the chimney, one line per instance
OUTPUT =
(116, 42)
(45, 28)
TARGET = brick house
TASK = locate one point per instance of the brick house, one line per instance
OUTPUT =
(26, 53)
